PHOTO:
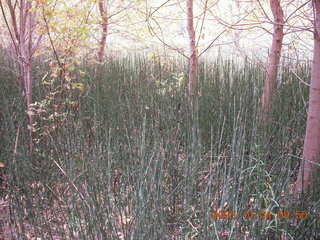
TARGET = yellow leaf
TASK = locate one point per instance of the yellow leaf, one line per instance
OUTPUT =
(79, 86)
(82, 73)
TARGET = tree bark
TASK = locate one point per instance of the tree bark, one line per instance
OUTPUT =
(193, 60)
(20, 27)
(25, 55)
(193, 98)
(104, 26)
(270, 83)
(311, 148)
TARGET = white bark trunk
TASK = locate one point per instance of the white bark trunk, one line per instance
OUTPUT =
(193, 60)
(26, 29)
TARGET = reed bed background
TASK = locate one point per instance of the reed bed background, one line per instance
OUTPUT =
(126, 165)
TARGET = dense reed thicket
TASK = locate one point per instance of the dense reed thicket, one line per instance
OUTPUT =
(122, 167)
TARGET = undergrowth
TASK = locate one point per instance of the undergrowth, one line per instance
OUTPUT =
(122, 165)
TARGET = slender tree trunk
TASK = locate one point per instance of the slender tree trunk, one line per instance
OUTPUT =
(193, 99)
(193, 60)
(28, 90)
(25, 57)
(104, 26)
(20, 27)
(270, 83)
(311, 148)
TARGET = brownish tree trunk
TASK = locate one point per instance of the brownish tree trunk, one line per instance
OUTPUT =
(270, 83)
(193, 96)
(104, 26)
(311, 148)
(21, 26)
(193, 60)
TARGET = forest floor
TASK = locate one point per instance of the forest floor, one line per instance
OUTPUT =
(5, 231)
